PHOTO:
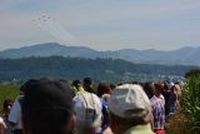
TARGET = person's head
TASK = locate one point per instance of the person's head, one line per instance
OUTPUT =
(158, 89)
(87, 81)
(103, 88)
(7, 105)
(76, 85)
(129, 105)
(87, 107)
(87, 84)
(166, 86)
(176, 89)
(149, 89)
(47, 107)
(112, 86)
(172, 89)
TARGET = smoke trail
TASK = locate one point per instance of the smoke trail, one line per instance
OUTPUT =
(51, 26)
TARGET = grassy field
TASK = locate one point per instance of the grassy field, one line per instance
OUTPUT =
(8, 92)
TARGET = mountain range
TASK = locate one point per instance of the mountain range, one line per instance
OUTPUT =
(183, 56)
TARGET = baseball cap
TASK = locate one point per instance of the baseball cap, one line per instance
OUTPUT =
(87, 107)
(129, 101)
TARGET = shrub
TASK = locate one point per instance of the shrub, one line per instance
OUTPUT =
(178, 124)
(192, 73)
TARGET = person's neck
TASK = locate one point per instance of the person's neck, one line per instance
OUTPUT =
(85, 131)
(120, 128)
(157, 95)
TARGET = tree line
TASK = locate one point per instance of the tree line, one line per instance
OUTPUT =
(77, 68)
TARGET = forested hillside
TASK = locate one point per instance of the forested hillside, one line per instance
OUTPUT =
(77, 68)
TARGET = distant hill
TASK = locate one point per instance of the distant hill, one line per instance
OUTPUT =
(46, 50)
(183, 56)
(78, 68)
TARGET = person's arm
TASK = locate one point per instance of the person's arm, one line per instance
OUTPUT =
(108, 130)
(13, 117)
(151, 121)
(151, 115)
(2, 126)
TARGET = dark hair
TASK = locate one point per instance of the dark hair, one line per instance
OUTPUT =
(6, 103)
(149, 89)
(87, 80)
(103, 88)
(158, 88)
(112, 86)
(76, 83)
(47, 106)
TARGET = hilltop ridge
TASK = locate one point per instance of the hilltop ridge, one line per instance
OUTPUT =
(182, 56)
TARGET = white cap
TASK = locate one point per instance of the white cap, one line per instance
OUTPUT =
(129, 101)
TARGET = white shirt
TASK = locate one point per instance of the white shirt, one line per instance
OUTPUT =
(85, 100)
(15, 113)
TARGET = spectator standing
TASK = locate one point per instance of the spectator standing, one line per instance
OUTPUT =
(76, 85)
(170, 100)
(103, 92)
(47, 107)
(14, 117)
(158, 111)
(130, 110)
(7, 105)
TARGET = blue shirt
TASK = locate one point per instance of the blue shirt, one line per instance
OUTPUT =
(105, 111)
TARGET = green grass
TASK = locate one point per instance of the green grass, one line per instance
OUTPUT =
(8, 92)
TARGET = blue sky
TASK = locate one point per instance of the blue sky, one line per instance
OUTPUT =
(101, 24)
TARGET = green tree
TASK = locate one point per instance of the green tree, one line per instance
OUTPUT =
(192, 73)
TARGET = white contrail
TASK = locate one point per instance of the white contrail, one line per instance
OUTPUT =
(51, 26)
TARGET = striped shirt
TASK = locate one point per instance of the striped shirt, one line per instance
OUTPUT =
(158, 110)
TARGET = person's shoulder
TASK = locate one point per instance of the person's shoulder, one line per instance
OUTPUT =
(2, 123)
(95, 96)
(153, 99)
(1, 119)
(108, 130)
(140, 129)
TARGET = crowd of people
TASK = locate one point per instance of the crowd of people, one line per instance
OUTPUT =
(49, 106)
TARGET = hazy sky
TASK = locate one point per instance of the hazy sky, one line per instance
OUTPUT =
(101, 24)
